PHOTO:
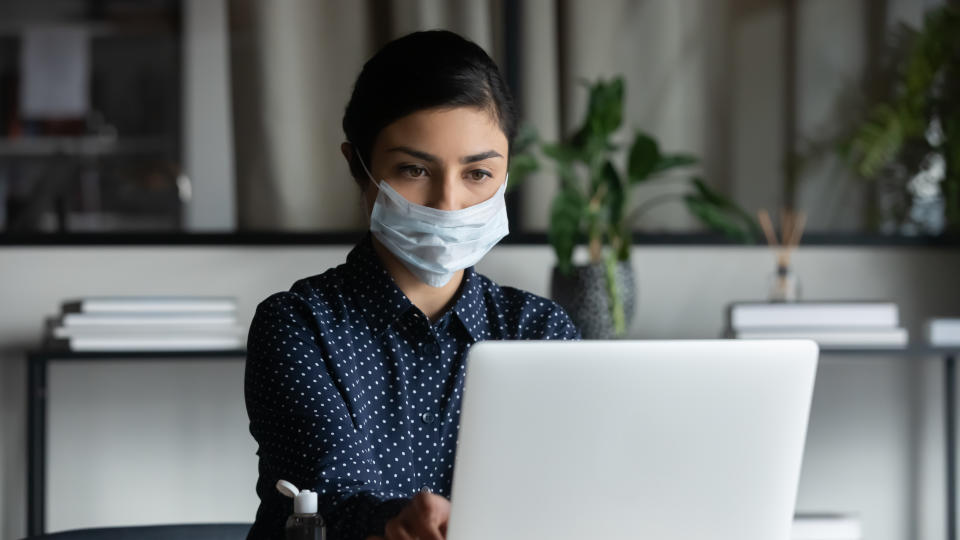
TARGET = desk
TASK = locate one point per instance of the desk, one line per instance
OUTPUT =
(37, 363)
(39, 360)
(949, 355)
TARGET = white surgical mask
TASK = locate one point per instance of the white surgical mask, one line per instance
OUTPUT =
(434, 244)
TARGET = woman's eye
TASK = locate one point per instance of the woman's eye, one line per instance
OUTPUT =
(479, 175)
(413, 171)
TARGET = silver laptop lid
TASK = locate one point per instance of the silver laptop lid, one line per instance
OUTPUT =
(631, 439)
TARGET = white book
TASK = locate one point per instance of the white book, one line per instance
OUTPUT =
(826, 527)
(129, 331)
(807, 314)
(943, 332)
(149, 319)
(833, 337)
(151, 304)
(167, 343)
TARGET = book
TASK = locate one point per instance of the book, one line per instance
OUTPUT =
(812, 314)
(151, 304)
(826, 527)
(151, 343)
(833, 337)
(943, 332)
(141, 320)
(128, 331)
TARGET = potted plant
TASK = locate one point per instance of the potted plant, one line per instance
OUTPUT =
(592, 207)
(909, 140)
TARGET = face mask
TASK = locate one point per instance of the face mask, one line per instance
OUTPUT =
(435, 244)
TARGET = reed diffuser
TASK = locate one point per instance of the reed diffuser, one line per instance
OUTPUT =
(784, 285)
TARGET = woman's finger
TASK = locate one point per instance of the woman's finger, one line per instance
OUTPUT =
(424, 530)
(427, 517)
(397, 529)
(435, 507)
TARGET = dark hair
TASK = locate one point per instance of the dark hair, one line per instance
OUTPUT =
(419, 71)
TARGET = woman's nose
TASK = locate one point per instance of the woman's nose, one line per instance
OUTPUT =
(445, 194)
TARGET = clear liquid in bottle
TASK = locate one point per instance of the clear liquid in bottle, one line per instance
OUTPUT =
(305, 523)
(305, 527)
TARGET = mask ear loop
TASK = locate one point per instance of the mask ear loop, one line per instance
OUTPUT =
(366, 210)
(364, 165)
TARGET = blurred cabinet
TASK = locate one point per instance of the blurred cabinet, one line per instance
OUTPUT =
(117, 165)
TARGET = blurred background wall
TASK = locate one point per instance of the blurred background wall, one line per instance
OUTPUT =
(224, 115)
(252, 127)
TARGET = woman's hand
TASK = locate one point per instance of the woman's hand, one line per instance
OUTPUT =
(424, 518)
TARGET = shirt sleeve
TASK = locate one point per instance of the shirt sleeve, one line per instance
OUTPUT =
(560, 325)
(305, 428)
(540, 318)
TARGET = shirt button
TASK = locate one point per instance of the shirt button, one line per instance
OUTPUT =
(431, 348)
(428, 418)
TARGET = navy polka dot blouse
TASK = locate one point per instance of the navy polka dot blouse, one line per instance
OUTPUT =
(352, 392)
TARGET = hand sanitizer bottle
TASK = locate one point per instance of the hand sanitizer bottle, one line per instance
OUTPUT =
(305, 523)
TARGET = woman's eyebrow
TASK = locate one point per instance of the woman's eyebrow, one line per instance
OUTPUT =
(480, 157)
(415, 153)
(434, 159)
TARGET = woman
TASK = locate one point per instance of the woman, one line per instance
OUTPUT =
(354, 376)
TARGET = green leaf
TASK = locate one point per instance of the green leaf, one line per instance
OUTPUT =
(672, 161)
(622, 233)
(616, 199)
(560, 152)
(878, 141)
(521, 166)
(568, 176)
(643, 158)
(726, 206)
(581, 141)
(605, 108)
(522, 160)
(566, 214)
(710, 195)
(715, 218)
(525, 139)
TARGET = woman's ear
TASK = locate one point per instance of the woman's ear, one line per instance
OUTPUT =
(347, 150)
(353, 163)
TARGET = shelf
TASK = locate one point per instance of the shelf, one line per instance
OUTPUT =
(910, 350)
(65, 354)
(80, 146)
(96, 29)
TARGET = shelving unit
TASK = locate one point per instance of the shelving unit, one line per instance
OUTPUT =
(949, 355)
(37, 363)
(123, 159)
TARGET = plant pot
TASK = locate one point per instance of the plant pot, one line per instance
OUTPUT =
(584, 294)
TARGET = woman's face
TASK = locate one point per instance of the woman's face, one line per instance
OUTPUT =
(446, 159)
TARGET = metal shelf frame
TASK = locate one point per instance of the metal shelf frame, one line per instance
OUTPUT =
(38, 362)
(37, 393)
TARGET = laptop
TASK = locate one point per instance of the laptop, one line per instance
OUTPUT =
(657, 440)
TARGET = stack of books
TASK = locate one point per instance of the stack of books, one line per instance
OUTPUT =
(943, 332)
(826, 527)
(146, 323)
(830, 324)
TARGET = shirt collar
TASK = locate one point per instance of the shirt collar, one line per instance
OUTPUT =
(470, 307)
(382, 302)
(379, 298)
